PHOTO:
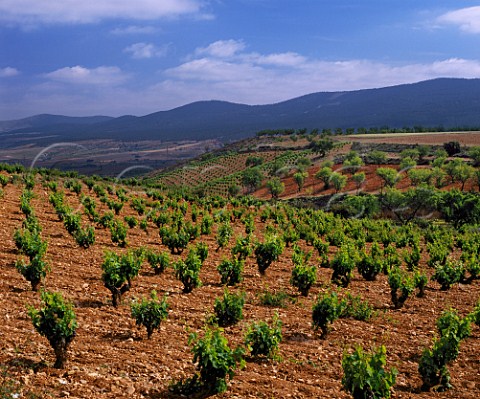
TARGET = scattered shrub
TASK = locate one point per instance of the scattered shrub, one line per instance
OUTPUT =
(263, 340)
(118, 233)
(118, 272)
(131, 221)
(268, 252)
(356, 307)
(85, 237)
(150, 313)
(34, 272)
(303, 278)
(231, 271)
(343, 265)
(215, 360)
(448, 274)
(433, 362)
(188, 272)
(202, 251)
(401, 283)
(242, 248)
(274, 299)
(326, 310)
(225, 232)
(56, 321)
(364, 375)
(229, 310)
(158, 261)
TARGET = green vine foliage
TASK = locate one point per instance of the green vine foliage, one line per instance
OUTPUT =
(229, 309)
(34, 272)
(434, 361)
(326, 310)
(56, 321)
(262, 339)
(118, 273)
(215, 360)
(158, 261)
(365, 376)
(268, 252)
(231, 271)
(188, 271)
(150, 313)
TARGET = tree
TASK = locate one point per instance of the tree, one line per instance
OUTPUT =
(324, 175)
(452, 148)
(322, 146)
(233, 190)
(338, 180)
(276, 187)
(303, 163)
(252, 178)
(377, 157)
(477, 178)
(406, 205)
(407, 163)
(419, 176)
(353, 161)
(458, 170)
(358, 179)
(56, 321)
(438, 177)
(388, 175)
(458, 207)
(463, 173)
(299, 178)
(474, 153)
(423, 151)
(253, 161)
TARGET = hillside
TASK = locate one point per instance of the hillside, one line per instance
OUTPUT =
(440, 102)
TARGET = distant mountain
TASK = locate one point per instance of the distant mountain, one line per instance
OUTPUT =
(46, 120)
(440, 102)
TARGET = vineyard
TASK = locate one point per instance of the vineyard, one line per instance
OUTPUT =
(214, 176)
(112, 291)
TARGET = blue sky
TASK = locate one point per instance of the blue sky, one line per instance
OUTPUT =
(116, 57)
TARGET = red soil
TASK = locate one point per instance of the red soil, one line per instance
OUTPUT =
(111, 358)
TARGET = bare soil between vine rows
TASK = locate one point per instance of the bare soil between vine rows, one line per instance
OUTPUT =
(111, 357)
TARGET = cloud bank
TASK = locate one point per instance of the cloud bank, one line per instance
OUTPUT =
(88, 11)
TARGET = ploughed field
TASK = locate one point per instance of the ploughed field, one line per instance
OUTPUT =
(433, 138)
(111, 357)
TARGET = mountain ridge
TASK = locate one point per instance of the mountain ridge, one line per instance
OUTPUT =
(447, 102)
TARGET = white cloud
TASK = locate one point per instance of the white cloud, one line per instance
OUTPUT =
(134, 30)
(224, 71)
(467, 19)
(146, 50)
(101, 76)
(289, 59)
(222, 48)
(87, 11)
(8, 72)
